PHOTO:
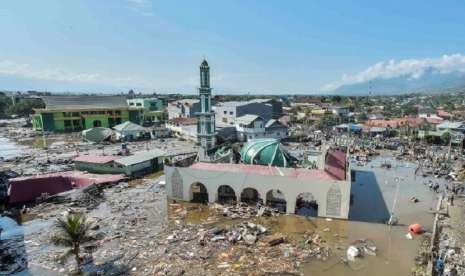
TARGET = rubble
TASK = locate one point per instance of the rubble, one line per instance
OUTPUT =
(134, 236)
(13, 256)
(245, 211)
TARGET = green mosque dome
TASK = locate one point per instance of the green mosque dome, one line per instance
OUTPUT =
(265, 152)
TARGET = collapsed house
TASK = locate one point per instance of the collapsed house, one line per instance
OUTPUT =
(139, 163)
(27, 189)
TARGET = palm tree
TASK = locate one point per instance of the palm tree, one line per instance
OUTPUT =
(73, 232)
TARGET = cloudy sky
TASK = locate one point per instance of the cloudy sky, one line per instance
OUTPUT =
(253, 46)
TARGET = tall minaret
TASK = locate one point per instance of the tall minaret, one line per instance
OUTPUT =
(206, 123)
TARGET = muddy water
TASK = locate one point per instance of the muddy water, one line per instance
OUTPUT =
(39, 142)
(9, 149)
(395, 253)
(378, 192)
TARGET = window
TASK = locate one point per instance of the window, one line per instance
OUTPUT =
(231, 113)
(97, 123)
(138, 104)
(131, 103)
(225, 112)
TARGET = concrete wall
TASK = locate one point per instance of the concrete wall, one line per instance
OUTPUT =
(182, 110)
(188, 132)
(225, 114)
(276, 132)
(179, 181)
(55, 121)
(265, 110)
(151, 104)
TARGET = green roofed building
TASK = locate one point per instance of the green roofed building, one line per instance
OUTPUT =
(75, 113)
(265, 152)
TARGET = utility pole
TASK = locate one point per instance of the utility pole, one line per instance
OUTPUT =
(44, 142)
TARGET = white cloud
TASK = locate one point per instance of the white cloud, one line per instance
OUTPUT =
(412, 68)
(144, 7)
(11, 68)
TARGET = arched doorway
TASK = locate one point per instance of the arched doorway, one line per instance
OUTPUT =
(226, 194)
(277, 200)
(250, 196)
(306, 205)
(97, 123)
(199, 193)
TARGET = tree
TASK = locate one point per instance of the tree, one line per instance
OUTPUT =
(5, 103)
(73, 232)
(326, 121)
(445, 138)
(25, 107)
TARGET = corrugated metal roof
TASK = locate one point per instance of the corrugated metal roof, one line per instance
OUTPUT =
(97, 134)
(240, 103)
(84, 102)
(451, 125)
(247, 119)
(140, 157)
(128, 126)
(97, 159)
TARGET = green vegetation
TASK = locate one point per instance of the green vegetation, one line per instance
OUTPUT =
(5, 103)
(445, 138)
(24, 107)
(73, 232)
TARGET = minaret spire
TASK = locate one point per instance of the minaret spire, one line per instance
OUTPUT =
(206, 118)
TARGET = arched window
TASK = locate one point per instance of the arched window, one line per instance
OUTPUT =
(333, 201)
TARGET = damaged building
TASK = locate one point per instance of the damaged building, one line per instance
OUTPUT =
(265, 177)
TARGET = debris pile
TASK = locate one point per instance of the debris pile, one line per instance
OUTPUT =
(450, 258)
(90, 197)
(244, 211)
(245, 247)
(12, 255)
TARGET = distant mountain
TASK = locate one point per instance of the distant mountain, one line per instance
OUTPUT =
(431, 81)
